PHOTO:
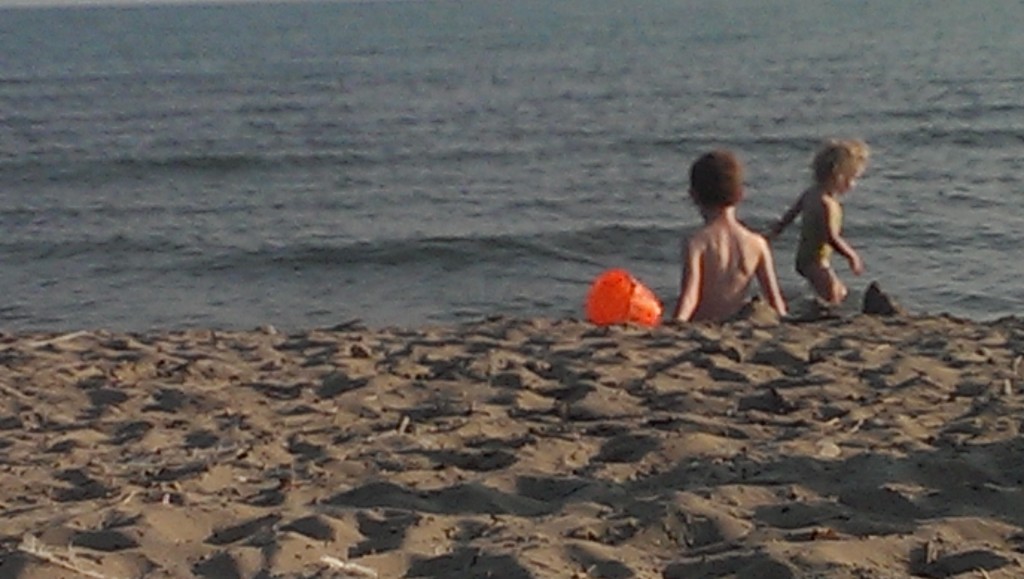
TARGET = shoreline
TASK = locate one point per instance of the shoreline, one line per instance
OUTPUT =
(859, 446)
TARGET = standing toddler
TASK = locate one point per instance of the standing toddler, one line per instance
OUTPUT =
(837, 166)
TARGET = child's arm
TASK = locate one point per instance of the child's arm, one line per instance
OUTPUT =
(689, 292)
(835, 239)
(786, 219)
(769, 282)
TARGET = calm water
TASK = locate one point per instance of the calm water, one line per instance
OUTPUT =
(429, 161)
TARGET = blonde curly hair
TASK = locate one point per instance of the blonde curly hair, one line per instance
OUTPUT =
(839, 159)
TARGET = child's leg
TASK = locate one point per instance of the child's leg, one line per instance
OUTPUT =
(825, 282)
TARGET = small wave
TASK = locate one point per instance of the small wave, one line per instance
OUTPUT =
(216, 163)
(94, 170)
(230, 162)
(961, 137)
(593, 246)
(442, 253)
(799, 143)
(107, 169)
(109, 253)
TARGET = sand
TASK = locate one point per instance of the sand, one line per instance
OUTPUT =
(855, 446)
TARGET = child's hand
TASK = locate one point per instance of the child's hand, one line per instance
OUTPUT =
(856, 265)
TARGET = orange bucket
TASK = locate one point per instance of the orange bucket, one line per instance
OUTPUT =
(616, 297)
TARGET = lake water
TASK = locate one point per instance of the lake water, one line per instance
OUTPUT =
(420, 162)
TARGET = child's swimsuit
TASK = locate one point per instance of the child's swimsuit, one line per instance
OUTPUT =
(814, 247)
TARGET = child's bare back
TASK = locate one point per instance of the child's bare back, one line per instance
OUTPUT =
(722, 258)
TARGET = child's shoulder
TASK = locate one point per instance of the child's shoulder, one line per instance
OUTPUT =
(747, 235)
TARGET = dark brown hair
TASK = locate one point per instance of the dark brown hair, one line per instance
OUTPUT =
(716, 179)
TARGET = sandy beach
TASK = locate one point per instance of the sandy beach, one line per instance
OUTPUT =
(863, 446)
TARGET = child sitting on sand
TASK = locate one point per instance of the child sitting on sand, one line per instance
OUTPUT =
(721, 258)
(837, 166)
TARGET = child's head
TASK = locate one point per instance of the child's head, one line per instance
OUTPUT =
(716, 179)
(839, 162)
